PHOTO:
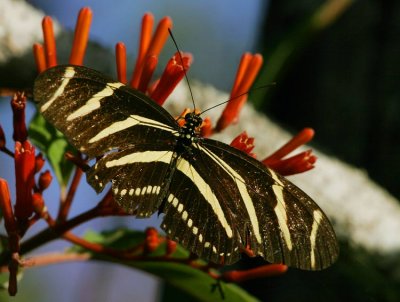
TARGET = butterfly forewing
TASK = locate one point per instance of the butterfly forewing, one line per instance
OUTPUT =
(217, 200)
(98, 114)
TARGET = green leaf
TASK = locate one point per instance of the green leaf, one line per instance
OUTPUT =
(53, 144)
(4, 281)
(4, 277)
(180, 280)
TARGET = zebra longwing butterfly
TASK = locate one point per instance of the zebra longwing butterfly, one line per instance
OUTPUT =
(216, 199)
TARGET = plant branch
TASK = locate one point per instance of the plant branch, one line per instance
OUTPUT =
(7, 151)
(66, 203)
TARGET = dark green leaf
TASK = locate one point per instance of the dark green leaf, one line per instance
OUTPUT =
(53, 144)
(180, 279)
(4, 281)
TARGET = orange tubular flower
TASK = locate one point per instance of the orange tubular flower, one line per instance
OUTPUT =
(49, 42)
(46, 56)
(40, 57)
(206, 127)
(170, 247)
(152, 241)
(268, 270)
(18, 104)
(248, 69)
(45, 179)
(172, 75)
(299, 163)
(120, 56)
(24, 174)
(296, 164)
(149, 45)
(244, 143)
(39, 162)
(149, 65)
(6, 209)
(81, 36)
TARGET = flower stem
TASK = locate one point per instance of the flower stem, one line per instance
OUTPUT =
(55, 232)
(66, 203)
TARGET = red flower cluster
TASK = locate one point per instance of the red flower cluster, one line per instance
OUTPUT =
(28, 191)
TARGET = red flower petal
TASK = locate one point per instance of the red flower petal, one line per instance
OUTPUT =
(258, 272)
(248, 69)
(299, 163)
(40, 57)
(149, 46)
(120, 56)
(49, 42)
(18, 104)
(244, 143)
(81, 36)
(303, 137)
(6, 207)
(173, 73)
(24, 176)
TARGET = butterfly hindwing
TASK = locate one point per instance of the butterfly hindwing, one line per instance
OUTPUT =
(195, 217)
(231, 200)
(139, 176)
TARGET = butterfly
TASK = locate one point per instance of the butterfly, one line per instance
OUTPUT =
(216, 200)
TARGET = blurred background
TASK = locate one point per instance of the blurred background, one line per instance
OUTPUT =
(336, 65)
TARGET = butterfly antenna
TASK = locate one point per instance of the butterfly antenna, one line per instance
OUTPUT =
(238, 96)
(183, 66)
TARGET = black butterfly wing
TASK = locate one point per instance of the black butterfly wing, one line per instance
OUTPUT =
(245, 204)
(98, 114)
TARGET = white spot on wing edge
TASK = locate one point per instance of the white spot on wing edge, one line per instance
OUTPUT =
(137, 191)
(68, 75)
(280, 210)
(317, 215)
(94, 102)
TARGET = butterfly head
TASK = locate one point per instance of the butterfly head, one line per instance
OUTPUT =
(193, 121)
(189, 130)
